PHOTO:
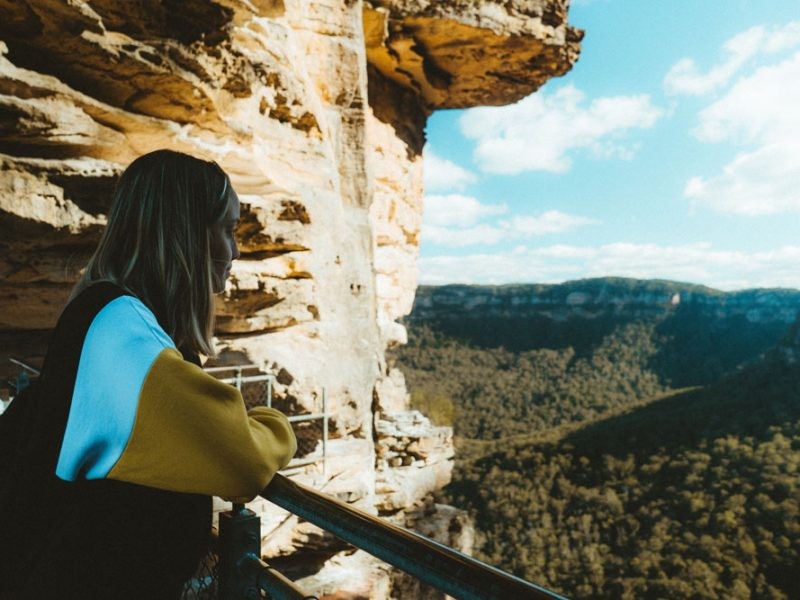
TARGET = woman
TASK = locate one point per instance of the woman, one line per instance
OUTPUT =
(106, 491)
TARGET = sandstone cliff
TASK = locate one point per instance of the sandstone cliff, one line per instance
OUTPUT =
(317, 111)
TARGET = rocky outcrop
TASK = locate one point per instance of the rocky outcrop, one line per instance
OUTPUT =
(317, 112)
(426, 55)
(413, 459)
(463, 53)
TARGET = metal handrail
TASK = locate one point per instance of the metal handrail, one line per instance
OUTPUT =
(448, 570)
(235, 368)
(20, 382)
(275, 583)
(23, 366)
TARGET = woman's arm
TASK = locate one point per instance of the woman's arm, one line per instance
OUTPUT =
(192, 434)
(140, 413)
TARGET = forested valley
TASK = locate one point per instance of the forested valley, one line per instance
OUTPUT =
(640, 454)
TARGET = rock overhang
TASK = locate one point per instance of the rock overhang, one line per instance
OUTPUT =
(464, 53)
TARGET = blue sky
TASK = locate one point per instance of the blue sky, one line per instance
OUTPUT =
(671, 150)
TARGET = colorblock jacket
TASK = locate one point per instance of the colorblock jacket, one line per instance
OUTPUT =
(108, 464)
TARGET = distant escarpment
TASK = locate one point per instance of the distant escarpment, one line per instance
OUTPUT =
(702, 333)
(604, 296)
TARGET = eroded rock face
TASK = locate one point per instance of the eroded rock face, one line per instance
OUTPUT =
(462, 53)
(317, 112)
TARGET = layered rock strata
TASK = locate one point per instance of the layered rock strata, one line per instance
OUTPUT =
(317, 112)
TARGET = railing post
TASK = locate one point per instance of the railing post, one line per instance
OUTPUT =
(277, 585)
(239, 536)
(22, 382)
(324, 433)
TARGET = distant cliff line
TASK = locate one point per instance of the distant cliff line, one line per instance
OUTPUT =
(586, 298)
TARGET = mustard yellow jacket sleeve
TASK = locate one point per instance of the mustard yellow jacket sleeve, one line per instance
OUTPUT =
(192, 434)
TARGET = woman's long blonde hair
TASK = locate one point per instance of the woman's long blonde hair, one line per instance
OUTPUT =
(156, 244)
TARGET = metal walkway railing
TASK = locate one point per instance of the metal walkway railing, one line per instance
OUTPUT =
(243, 575)
(447, 570)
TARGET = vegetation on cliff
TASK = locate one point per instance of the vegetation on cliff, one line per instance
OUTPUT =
(693, 495)
(588, 472)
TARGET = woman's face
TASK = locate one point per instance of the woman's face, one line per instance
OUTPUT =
(223, 244)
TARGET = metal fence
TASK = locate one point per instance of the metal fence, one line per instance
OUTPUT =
(242, 575)
(310, 429)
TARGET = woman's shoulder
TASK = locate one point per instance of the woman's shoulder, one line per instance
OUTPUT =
(128, 318)
(121, 319)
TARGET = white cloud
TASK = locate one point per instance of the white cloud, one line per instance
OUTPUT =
(549, 222)
(763, 182)
(541, 131)
(456, 210)
(764, 106)
(763, 111)
(453, 221)
(454, 237)
(783, 38)
(563, 251)
(685, 78)
(442, 175)
(698, 263)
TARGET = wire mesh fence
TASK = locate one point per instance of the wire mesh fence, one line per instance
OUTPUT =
(204, 583)
(311, 429)
(309, 435)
